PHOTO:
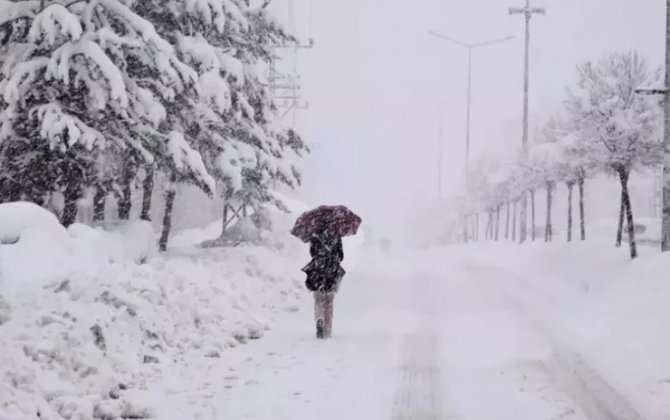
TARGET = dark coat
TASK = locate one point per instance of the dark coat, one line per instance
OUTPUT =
(324, 272)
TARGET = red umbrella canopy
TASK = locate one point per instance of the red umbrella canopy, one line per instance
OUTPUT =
(338, 219)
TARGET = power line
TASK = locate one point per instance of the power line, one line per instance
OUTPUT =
(286, 87)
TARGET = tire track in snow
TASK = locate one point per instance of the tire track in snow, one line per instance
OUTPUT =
(569, 372)
(595, 396)
(418, 396)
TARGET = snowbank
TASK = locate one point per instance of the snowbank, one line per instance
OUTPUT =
(45, 255)
(88, 317)
(16, 218)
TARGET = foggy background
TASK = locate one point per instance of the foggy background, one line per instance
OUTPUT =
(374, 77)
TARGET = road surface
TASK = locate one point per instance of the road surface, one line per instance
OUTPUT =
(458, 341)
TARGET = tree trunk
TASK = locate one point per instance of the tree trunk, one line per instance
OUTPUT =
(489, 226)
(570, 188)
(514, 221)
(624, 176)
(523, 219)
(71, 195)
(548, 229)
(125, 201)
(465, 229)
(99, 200)
(476, 227)
(147, 192)
(582, 222)
(532, 211)
(622, 211)
(507, 222)
(471, 227)
(167, 217)
(497, 238)
(224, 226)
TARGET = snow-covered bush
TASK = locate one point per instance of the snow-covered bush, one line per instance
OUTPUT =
(16, 218)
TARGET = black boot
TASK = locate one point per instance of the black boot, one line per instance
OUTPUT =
(319, 328)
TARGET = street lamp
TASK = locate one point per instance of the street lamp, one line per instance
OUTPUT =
(440, 143)
(470, 48)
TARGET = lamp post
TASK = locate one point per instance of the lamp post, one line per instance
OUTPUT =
(470, 48)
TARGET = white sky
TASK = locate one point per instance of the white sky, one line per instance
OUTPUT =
(375, 75)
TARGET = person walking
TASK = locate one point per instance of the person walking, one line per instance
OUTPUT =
(324, 274)
(323, 228)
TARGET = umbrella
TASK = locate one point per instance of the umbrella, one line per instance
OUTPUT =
(338, 219)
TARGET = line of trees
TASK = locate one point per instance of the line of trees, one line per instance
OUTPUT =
(106, 98)
(604, 127)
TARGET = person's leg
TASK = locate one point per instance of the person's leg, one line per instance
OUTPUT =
(319, 313)
(318, 306)
(328, 313)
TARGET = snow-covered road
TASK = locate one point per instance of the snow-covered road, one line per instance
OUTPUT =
(460, 341)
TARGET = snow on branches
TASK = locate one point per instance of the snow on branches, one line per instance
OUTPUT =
(604, 126)
(107, 87)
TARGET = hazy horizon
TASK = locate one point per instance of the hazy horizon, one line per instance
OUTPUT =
(374, 77)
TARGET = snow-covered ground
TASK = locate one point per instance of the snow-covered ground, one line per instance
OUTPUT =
(485, 332)
(90, 317)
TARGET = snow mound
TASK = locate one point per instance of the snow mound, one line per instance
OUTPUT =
(16, 218)
(79, 249)
(85, 330)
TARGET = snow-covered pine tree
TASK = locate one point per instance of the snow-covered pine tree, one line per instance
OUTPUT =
(84, 84)
(619, 127)
(229, 44)
(281, 147)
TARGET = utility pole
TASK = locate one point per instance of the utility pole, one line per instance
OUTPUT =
(440, 151)
(665, 91)
(665, 241)
(470, 48)
(528, 13)
(286, 88)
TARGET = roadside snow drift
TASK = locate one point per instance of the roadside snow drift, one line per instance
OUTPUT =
(88, 317)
